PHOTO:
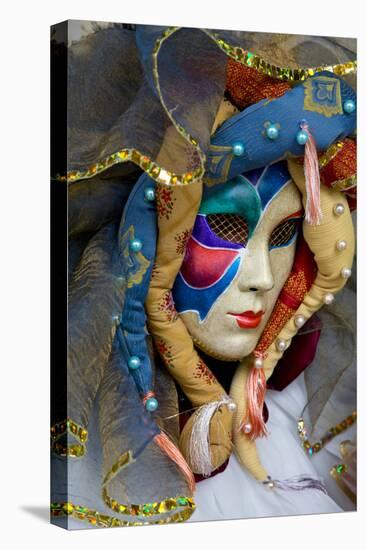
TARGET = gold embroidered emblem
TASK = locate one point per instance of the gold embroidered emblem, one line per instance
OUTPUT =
(219, 162)
(323, 95)
(136, 264)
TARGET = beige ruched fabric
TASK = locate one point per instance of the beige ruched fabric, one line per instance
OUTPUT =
(330, 261)
(177, 210)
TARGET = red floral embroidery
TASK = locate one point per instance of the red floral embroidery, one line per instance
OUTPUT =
(182, 239)
(164, 201)
(203, 372)
(166, 305)
(165, 351)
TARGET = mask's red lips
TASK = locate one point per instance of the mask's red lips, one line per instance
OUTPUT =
(248, 319)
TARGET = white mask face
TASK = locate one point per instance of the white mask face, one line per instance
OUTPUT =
(228, 322)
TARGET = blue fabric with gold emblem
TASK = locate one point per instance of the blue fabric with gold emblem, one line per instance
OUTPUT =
(319, 102)
(137, 246)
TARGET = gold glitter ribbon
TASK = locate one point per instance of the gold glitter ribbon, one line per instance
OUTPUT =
(144, 510)
(283, 73)
(185, 506)
(76, 430)
(103, 520)
(311, 448)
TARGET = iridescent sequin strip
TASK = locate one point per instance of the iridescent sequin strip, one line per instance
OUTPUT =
(330, 153)
(123, 461)
(144, 510)
(155, 171)
(283, 73)
(102, 520)
(71, 427)
(346, 184)
(310, 448)
(149, 509)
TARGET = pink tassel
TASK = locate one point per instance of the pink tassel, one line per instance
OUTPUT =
(256, 391)
(313, 213)
(168, 447)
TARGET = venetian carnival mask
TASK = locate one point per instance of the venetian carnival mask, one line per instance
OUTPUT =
(238, 258)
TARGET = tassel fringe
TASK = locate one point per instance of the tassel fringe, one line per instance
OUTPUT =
(199, 444)
(256, 391)
(297, 483)
(172, 451)
(313, 213)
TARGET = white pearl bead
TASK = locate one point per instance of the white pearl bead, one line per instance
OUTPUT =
(328, 298)
(341, 245)
(338, 209)
(231, 406)
(270, 485)
(299, 321)
(258, 363)
(281, 344)
(346, 272)
(247, 428)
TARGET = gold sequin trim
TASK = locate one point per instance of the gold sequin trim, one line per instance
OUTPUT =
(145, 510)
(310, 448)
(283, 73)
(76, 430)
(330, 153)
(346, 184)
(155, 171)
(124, 460)
(102, 520)
(149, 509)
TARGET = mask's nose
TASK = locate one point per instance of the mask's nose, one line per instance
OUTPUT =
(255, 272)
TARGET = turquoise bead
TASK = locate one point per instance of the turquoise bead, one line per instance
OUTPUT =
(135, 245)
(134, 362)
(238, 148)
(272, 132)
(151, 404)
(301, 137)
(349, 106)
(149, 194)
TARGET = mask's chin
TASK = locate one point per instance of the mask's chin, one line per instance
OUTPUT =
(227, 348)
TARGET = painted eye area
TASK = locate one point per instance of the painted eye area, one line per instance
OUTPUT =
(229, 227)
(284, 233)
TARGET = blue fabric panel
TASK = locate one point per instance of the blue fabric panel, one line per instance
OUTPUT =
(138, 221)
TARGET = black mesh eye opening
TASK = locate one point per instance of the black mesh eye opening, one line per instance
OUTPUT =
(283, 233)
(229, 227)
